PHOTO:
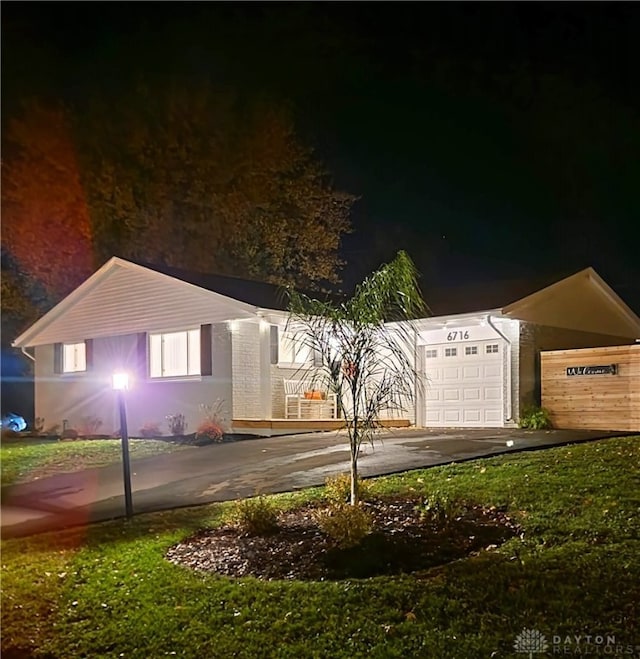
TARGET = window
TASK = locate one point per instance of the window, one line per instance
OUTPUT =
(174, 354)
(293, 349)
(471, 350)
(74, 357)
(431, 354)
(491, 348)
(450, 352)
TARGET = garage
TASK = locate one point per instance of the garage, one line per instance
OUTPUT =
(464, 384)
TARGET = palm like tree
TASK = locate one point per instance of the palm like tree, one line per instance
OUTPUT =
(365, 349)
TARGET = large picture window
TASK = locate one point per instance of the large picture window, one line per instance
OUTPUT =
(174, 354)
(74, 357)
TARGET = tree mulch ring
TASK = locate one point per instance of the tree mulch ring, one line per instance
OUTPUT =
(401, 542)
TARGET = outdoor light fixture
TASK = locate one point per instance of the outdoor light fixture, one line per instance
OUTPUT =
(120, 383)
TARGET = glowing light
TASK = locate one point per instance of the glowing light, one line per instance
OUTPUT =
(120, 381)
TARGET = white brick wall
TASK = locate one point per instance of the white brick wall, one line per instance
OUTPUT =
(246, 368)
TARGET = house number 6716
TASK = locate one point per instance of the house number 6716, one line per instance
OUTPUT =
(458, 335)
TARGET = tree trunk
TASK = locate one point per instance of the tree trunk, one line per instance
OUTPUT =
(354, 474)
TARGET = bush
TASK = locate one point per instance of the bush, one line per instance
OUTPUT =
(337, 489)
(345, 524)
(210, 429)
(89, 425)
(69, 433)
(150, 430)
(177, 424)
(440, 509)
(535, 418)
(256, 516)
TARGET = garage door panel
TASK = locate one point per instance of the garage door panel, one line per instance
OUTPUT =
(451, 395)
(433, 374)
(493, 417)
(471, 394)
(434, 394)
(492, 371)
(471, 372)
(434, 417)
(451, 373)
(493, 393)
(452, 416)
(472, 416)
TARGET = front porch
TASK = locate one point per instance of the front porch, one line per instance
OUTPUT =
(271, 427)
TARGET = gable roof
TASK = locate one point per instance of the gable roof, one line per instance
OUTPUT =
(256, 293)
(481, 296)
(565, 303)
(123, 297)
(583, 301)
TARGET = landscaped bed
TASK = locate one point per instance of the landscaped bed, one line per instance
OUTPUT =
(569, 565)
(403, 541)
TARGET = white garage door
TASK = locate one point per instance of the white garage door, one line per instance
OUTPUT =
(464, 384)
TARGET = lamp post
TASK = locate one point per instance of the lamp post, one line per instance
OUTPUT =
(120, 385)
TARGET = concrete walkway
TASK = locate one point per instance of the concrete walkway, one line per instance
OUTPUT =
(228, 471)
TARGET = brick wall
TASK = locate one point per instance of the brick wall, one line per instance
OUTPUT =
(246, 366)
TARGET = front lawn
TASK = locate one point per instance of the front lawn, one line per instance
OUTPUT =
(32, 458)
(108, 590)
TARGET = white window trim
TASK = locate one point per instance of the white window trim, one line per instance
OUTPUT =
(76, 346)
(301, 365)
(162, 377)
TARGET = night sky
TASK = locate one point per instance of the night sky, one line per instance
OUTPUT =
(489, 140)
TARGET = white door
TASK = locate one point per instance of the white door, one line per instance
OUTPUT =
(464, 384)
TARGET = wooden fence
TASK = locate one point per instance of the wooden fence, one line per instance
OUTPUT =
(595, 388)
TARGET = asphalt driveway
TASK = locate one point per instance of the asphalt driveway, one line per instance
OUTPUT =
(228, 471)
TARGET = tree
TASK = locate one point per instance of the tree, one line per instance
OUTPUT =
(366, 348)
(46, 225)
(209, 180)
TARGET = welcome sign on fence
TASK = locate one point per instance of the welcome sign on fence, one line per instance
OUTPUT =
(607, 369)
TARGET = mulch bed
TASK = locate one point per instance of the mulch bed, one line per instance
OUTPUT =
(401, 543)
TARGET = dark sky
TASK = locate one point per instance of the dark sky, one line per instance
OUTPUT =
(489, 140)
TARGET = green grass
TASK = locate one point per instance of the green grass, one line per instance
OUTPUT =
(32, 459)
(107, 591)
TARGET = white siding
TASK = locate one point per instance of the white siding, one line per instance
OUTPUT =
(128, 300)
(74, 396)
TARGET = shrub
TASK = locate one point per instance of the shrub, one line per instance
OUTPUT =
(256, 516)
(89, 425)
(345, 524)
(337, 489)
(440, 509)
(177, 424)
(150, 429)
(69, 433)
(38, 425)
(53, 429)
(535, 418)
(210, 429)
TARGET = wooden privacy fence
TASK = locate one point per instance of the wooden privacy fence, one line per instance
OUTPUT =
(595, 388)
